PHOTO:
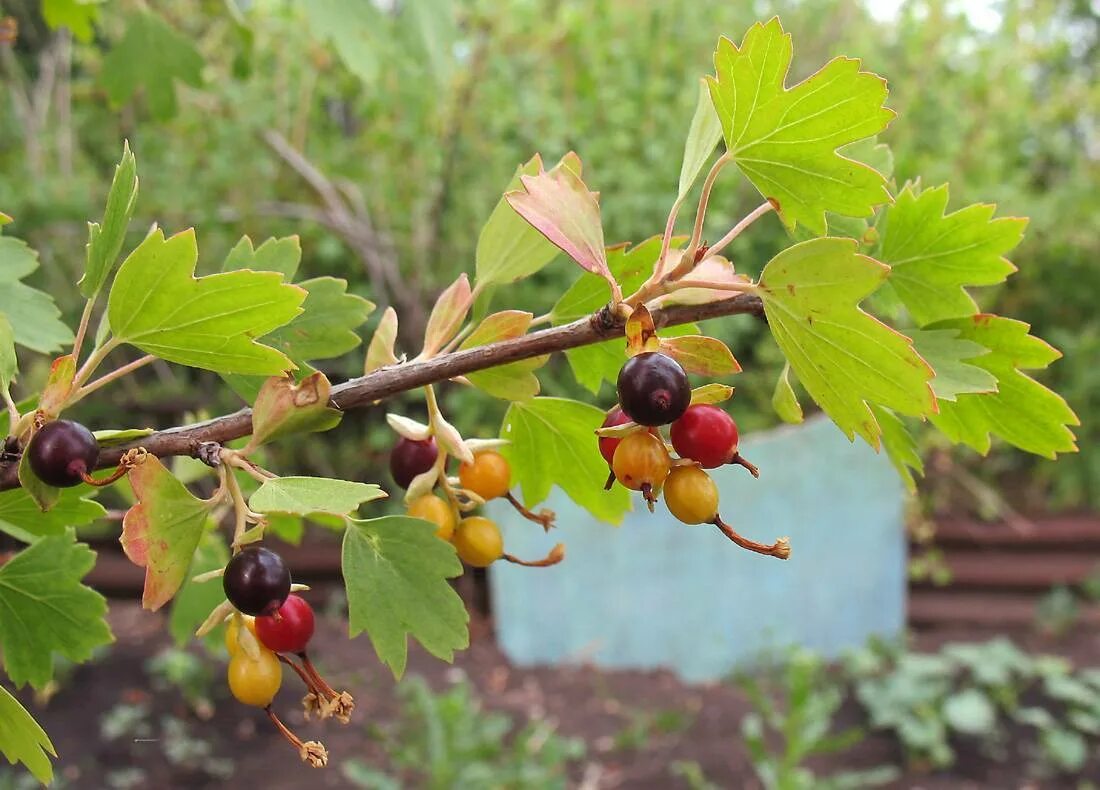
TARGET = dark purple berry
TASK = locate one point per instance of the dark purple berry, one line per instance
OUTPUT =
(256, 581)
(410, 457)
(61, 452)
(653, 389)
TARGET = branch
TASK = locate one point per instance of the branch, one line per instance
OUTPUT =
(388, 381)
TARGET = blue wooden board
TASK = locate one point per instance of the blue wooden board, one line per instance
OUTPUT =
(656, 593)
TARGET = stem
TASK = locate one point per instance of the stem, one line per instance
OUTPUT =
(666, 239)
(556, 555)
(13, 410)
(753, 215)
(704, 199)
(781, 548)
(541, 320)
(82, 329)
(679, 285)
(544, 518)
(240, 509)
(94, 360)
(107, 378)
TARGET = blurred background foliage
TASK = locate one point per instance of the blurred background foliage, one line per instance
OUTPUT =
(384, 132)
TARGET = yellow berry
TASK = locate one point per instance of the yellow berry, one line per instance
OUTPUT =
(436, 510)
(489, 476)
(232, 631)
(255, 681)
(640, 460)
(478, 541)
(691, 495)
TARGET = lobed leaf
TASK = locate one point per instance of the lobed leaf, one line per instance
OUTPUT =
(79, 16)
(305, 495)
(21, 517)
(901, 448)
(195, 600)
(704, 134)
(34, 318)
(274, 255)
(326, 326)
(22, 739)
(948, 355)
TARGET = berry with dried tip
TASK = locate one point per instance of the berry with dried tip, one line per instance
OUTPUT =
(412, 457)
(653, 389)
(431, 508)
(256, 581)
(62, 452)
(641, 463)
(705, 434)
(233, 630)
(489, 476)
(255, 680)
(691, 495)
(289, 628)
(478, 541)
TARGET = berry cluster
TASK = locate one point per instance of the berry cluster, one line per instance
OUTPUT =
(270, 625)
(476, 538)
(653, 392)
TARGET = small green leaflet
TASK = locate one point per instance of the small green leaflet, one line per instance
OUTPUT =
(164, 57)
(22, 740)
(284, 406)
(77, 15)
(705, 133)
(349, 27)
(44, 609)
(515, 381)
(1022, 411)
(552, 441)
(948, 355)
(784, 401)
(705, 356)
(594, 364)
(380, 351)
(785, 140)
(396, 570)
(35, 320)
(194, 601)
(274, 255)
(900, 446)
(508, 248)
(933, 256)
(158, 305)
(20, 515)
(161, 532)
(108, 437)
(844, 357)
(304, 495)
(105, 240)
(9, 364)
(326, 326)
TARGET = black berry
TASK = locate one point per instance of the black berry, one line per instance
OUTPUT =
(256, 581)
(653, 389)
(61, 452)
(411, 457)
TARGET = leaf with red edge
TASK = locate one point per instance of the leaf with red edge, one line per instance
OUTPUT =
(161, 532)
(559, 205)
(59, 385)
(448, 314)
(706, 356)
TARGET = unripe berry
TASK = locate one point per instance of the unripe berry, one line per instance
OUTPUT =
(489, 476)
(653, 389)
(640, 461)
(255, 681)
(431, 508)
(61, 452)
(478, 541)
(691, 495)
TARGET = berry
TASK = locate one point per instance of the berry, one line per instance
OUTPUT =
(706, 435)
(431, 508)
(478, 541)
(489, 476)
(609, 443)
(256, 581)
(289, 628)
(653, 389)
(255, 681)
(641, 461)
(61, 452)
(691, 495)
(233, 630)
(412, 457)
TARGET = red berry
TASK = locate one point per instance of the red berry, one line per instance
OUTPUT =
(609, 443)
(61, 451)
(412, 457)
(706, 435)
(289, 628)
(256, 580)
(653, 389)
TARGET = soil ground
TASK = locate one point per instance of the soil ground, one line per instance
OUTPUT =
(701, 722)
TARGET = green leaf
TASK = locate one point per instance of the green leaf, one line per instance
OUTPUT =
(552, 442)
(45, 496)
(326, 326)
(396, 572)
(109, 437)
(20, 514)
(1022, 411)
(508, 248)
(284, 407)
(9, 364)
(844, 357)
(948, 355)
(599, 362)
(784, 401)
(209, 322)
(934, 255)
(44, 609)
(35, 320)
(274, 255)
(785, 140)
(349, 26)
(970, 712)
(77, 15)
(448, 313)
(380, 351)
(900, 446)
(516, 380)
(164, 56)
(195, 601)
(105, 240)
(703, 136)
(22, 740)
(706, 356)
(305, 495)
(161, 532)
